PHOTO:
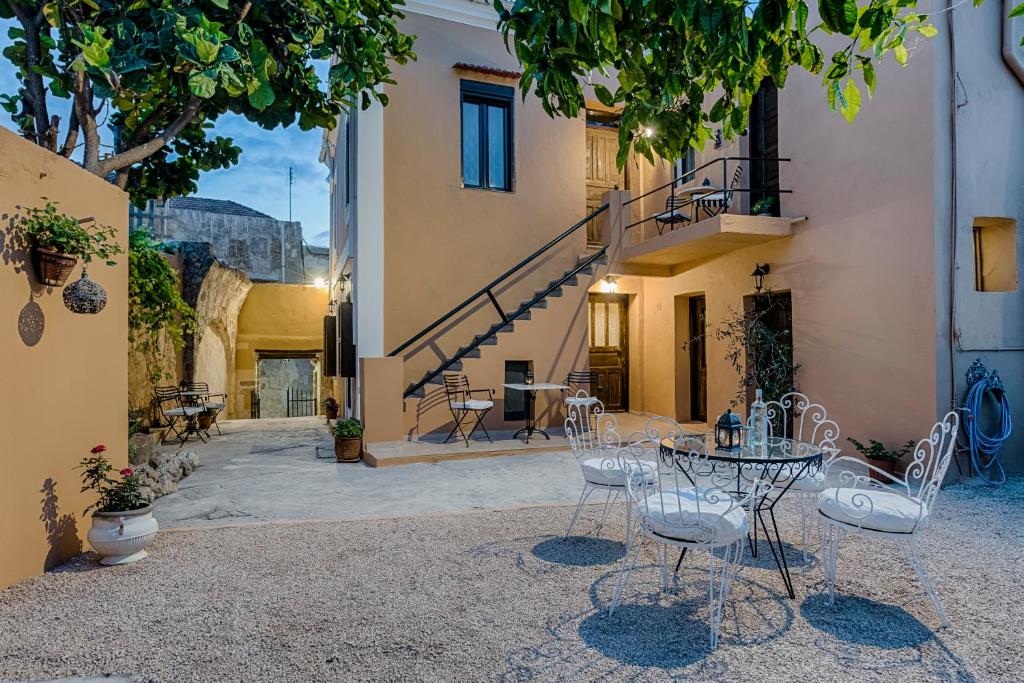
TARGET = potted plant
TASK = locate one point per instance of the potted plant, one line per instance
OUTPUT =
(205, 419)
(881, 457)
(331, 408)
(763, 207)
(57, 241)
(122, 521)
(348, 439)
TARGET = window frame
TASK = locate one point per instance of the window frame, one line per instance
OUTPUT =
(487, 94)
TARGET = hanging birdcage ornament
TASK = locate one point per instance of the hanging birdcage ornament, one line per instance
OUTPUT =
(85, 295)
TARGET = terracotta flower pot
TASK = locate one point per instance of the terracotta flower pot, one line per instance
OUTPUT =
(122, 537)
(887, 466)
(52, 267)
(332, 413)
(205, 421)
(348, 449)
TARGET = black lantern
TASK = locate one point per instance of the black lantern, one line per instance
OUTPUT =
(760, 271)
(85, 295)
(728, 431)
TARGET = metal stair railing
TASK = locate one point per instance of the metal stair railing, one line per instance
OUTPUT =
(488, 290)
(509, 319)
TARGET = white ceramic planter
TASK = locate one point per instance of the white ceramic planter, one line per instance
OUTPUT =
(122, 537)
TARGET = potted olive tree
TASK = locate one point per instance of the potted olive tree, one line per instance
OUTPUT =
(57, 241)
(122, 521)
(348, 439)
(331, 408)
(881, 457)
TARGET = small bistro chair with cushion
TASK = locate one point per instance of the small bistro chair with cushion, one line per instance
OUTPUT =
(673, 214)
(211, 402)
(884, 507)
(719, 202)
(582, 384)
(595, 443)
(464, 406)
(795, 416)
(176, 416)
(673, 511)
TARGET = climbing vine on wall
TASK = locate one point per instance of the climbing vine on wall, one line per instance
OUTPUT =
(157, 314)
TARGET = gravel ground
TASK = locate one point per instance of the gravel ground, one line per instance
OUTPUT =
(499, 596)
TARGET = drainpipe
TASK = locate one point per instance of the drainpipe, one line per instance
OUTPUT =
(954, 208)
(283, 278)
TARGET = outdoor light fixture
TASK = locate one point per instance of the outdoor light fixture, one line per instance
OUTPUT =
(610, 285)
(648, 132)
(760, 271)
(728, 431)
(320, 283)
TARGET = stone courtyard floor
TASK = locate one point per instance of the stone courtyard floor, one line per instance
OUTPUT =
(434, 588)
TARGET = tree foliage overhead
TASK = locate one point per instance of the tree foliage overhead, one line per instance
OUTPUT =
(686, 66)
(160, 73)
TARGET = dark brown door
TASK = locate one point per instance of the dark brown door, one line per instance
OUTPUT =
(602, 173)
(698, 360)
(608, 334)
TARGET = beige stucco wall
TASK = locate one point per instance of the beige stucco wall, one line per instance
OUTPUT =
(443, 242)
(54, 357)
(223, 292)
(860, 269)
(275, 317)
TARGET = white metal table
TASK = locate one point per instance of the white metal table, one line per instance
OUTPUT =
(531, 399)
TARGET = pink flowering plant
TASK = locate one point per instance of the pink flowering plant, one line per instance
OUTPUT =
(115, 495)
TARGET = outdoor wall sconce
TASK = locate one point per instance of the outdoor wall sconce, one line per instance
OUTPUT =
(610, 284)
(760, 271)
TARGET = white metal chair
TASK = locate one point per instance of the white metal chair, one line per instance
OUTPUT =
(672, 511)
(795, 416)
(595, 442)
(896, 510)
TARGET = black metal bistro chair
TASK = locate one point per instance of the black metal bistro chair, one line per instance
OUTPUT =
(463, 406)
(214, 403)
(673, 214)
(719, 202)
(173, 412)
(587, 380)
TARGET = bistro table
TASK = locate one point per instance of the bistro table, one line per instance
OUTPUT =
(695, 192)
(780, 462)
(531, 400)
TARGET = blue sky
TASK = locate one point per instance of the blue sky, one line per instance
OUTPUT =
(260, 179)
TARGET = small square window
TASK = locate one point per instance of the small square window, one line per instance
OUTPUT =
(995, 254)
(487, 149)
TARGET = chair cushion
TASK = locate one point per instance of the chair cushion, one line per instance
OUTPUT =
(186, 411)
(666, 216)
(608, 471)
(581, 401)
(872, 508)
(215, 406)
(473, 404)
(675, 514)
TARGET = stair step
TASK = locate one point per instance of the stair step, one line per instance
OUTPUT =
(543, 303)
(436, 379)
(587, 270)
(454, 367)
(570, 282)
(525, 315)
(602, 259)
(472, 353)
(503, 328)
(485, 340)
(418, 393)
(557, 291)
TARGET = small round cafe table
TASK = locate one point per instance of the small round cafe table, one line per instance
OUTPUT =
(780, 462)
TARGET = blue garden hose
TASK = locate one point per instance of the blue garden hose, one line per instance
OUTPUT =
(984, 448)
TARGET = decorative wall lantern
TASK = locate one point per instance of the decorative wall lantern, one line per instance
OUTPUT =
(760, 271)
(610, 284)
(728, 431)
(85, 295)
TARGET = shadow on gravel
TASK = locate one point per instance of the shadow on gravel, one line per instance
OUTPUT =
(579, 551)
(648, 635)
(862, 621)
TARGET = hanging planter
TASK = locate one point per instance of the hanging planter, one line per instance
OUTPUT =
(85, 295)
(58, 240)
(52, 267)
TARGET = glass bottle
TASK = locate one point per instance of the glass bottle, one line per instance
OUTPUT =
(758, 421)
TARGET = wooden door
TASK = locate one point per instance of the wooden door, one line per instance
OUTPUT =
(602, 175)
(609, 332)
(698, 360)
(763, 133)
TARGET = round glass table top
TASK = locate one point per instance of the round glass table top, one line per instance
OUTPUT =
(776, 450)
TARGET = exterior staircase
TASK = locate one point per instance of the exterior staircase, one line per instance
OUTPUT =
(585, 265)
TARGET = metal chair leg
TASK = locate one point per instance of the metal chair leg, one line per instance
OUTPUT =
(587, 490)
(926, 583)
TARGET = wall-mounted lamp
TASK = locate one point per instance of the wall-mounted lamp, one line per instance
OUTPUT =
(760, 271)
(320, 283)
(718, 138)
(609, 285)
